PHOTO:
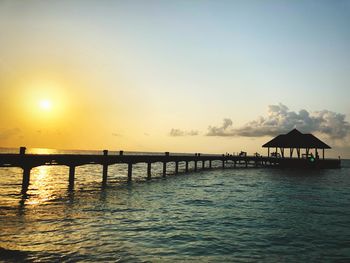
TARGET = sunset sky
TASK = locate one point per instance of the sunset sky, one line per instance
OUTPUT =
(178, 76)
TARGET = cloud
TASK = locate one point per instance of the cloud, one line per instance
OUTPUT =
(179, 133)
(6, 134)
(223, 130)
(280, 119)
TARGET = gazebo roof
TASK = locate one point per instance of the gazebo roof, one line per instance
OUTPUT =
(296, 139)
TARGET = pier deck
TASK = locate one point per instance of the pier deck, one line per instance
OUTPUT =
(29, 161)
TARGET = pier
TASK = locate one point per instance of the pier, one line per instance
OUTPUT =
(200, 162)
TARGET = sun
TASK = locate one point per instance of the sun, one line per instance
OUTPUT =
(45, 104)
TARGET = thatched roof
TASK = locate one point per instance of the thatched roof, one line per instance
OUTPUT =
(296, 139)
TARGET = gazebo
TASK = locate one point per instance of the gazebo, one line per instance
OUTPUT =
(296, 140)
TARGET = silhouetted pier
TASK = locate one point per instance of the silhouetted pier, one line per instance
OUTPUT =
(200, 161)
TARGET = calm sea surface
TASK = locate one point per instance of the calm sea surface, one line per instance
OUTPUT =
(231, 215)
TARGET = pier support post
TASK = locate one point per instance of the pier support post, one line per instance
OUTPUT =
(26, 179)
(26, 171)
(104, 169)
(164, 169)
(22, 150)
(149, 167)
(186, 167)
(104, 174)
(129, 172)
(71, 176)
(246, 163)
(209, 164)
(195, 166)
(234, 163)
(203, 164)
(176, 167)
(223, 164)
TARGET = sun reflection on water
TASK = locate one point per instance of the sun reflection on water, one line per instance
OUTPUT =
(42, 185)
(41, 151)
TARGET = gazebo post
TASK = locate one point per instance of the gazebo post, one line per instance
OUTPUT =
(276, 151)
(323, 153)
(291, 152)
(282, 152)
(307, 152)
(268, 151)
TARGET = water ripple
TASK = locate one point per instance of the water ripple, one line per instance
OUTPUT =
(242, 215)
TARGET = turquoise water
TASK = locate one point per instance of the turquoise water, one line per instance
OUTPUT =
(231, 215)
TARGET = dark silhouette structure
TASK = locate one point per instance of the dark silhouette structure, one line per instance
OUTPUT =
(29, 161)
(292, 140)
(296, 140)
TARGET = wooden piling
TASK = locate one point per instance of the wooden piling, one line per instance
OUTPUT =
(149, 167)
(22, 150)
(71, 176)
(26, 170)
(25, 179)
(203, 164)
(195, 166)
(186, 167)
(164, 169)
(209, 164)
(129, 172)
(223, 164)
(105, 169)
(176, 167)
(104, 174)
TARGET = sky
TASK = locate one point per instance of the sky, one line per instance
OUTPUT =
(178, 76)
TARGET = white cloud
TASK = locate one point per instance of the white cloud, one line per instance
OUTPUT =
(179, 133)
(222, 130)
(280, 120)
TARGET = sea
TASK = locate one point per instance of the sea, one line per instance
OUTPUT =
(217, 215)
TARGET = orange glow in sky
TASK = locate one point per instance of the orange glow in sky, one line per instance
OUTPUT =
(163, 77)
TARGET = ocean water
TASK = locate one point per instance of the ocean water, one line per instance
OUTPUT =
(231, 215)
